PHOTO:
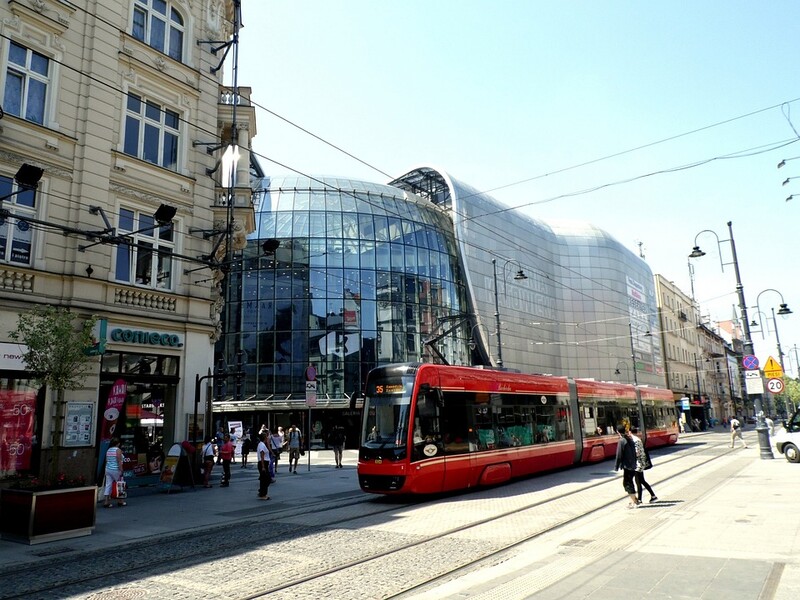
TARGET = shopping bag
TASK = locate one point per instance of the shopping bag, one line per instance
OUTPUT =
(119, 489)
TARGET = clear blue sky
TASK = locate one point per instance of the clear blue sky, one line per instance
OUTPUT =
(498, 92)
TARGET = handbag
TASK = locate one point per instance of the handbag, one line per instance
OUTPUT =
(119, 489)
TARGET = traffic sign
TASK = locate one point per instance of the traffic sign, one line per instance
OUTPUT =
(772, 369)
(750, 362)
(311, 393)
(775, 386)
(753, 383)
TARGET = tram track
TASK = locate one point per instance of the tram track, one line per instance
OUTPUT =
(394, 553)
(70, 576)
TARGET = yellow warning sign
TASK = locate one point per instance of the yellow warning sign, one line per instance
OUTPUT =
(772, 370)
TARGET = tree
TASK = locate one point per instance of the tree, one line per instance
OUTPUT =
(56, 355)
(791, 393)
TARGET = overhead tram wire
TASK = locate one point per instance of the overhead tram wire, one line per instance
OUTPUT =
(214, 134)
(740, 154)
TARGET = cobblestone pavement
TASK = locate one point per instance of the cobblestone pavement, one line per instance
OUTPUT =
(256, 551)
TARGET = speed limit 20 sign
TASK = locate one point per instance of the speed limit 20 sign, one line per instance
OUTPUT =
(775, 386)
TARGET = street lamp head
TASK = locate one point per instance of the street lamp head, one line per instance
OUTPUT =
(28, 176)
(520, 275)
(696, 252)
(784, 310)
(165, 214)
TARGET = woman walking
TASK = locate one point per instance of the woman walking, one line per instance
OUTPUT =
(626, 459)
(642, 464)
(113, 472)
(208, 461)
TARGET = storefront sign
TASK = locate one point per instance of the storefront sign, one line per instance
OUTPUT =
(78, 426)
(99, 338)
(11, 356)
(146, 338)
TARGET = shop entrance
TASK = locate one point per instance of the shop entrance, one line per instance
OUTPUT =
(142, 413)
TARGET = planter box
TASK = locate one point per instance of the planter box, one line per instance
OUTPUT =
(35, 517)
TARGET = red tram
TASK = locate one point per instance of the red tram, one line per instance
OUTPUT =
(433, 428)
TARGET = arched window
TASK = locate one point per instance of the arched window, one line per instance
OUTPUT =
(158, 24)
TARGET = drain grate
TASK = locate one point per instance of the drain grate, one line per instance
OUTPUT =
(577, 542)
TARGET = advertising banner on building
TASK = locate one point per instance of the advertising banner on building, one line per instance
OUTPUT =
(17, 417)
(115, 406)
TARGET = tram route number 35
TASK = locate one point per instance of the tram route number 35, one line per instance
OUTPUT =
(775, 385)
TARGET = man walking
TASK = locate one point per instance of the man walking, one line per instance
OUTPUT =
(736, 431)
(295, 442)
(262, 454)
(337, 440)
(626, 460)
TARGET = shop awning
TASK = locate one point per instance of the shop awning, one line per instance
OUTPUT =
(255, 404)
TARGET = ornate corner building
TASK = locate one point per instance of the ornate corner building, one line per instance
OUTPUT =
(120, 105)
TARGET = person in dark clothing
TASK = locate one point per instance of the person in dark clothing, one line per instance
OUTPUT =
(626, 459)
(642, 464)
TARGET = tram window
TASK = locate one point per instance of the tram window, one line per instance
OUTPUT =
(563, 424)
(545, 424)
(454, 419)
(426, 434)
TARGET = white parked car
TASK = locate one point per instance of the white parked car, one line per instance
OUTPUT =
(787, 440)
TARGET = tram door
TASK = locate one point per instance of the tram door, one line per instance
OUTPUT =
(456, 432)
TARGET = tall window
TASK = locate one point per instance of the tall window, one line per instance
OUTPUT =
(151, 132)
(146, 259)
(16, 234)
(159, 25)
(27, 78)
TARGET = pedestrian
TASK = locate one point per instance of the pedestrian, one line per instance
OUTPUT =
(295, 442)
(276, 443)
(262, 454)
(219, 436)
(643, 463)
(770, 425)
(208, 460)
(736, 431)
(114, 464)
(337, 440)
(626, 459)
(234, 440)
(247, 445)
(226, 455)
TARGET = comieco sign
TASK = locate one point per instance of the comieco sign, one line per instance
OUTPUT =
(149, 338)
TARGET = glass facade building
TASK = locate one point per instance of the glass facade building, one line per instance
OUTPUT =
(345, 275)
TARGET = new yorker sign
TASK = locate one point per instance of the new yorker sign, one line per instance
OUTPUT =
(146, 338)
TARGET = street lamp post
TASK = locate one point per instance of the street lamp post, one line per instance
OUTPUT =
(783, 310)
(749, 348)
(627, 370)
(519, 276)
(497, 315)
(636, 378)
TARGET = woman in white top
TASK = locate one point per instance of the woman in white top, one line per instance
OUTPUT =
(276, 442)
(113, 471)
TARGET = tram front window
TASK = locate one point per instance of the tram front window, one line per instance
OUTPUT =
(386, 411)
